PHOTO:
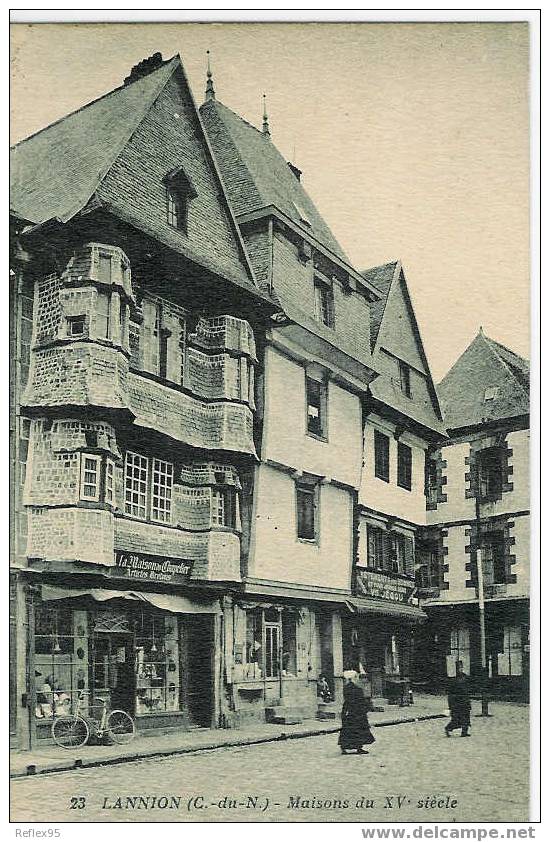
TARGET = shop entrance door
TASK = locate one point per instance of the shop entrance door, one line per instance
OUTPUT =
(199, 633)
(113, 671)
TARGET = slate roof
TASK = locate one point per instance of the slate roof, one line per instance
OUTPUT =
(256, 175)
(424, 410)
(488, 382)
(381, 277)
(55, 171)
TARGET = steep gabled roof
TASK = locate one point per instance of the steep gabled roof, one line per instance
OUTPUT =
(488, 382)
(381, 277)
(256, 175)
(56, 171)
(394, 329)
(90, 153)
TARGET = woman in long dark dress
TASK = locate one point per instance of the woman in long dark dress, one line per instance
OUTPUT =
(355, 731)
(459, 703)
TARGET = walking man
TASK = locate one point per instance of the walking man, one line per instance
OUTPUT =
(459, 702)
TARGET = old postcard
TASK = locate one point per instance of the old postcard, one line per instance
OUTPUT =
(270, 509)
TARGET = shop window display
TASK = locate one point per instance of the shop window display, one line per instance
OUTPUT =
(58, 661)
(157, 664)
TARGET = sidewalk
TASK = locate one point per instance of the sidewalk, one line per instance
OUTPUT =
(51, 758)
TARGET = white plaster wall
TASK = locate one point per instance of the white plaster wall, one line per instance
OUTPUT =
(388, 497)
(521, 549)
(277, 554)
(457, 506)
(285, 439)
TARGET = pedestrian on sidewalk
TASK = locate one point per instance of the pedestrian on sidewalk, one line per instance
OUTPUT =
(459, 702)
(355, 731)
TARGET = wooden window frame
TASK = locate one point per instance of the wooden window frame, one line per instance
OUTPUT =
(324, 303)
(311, 490)
(381, 465)
(322, 386)
(92, 457)
(404, 466)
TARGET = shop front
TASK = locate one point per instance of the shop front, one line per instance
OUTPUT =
(280, 659)
(452, 634)
(150, 654)
(378, 644)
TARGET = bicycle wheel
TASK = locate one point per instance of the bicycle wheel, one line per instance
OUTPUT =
(70, 731)
(120, 726)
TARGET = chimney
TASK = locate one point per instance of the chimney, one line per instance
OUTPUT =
(144, 67)
(295, 170)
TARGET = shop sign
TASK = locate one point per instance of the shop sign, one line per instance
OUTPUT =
(380, 586)
(151, 568)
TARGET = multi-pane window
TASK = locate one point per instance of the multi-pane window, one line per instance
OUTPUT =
(179, 194)
(375, 551)
(102, 317)
(510, 660)
(109, 481)
(306, 506)
(404, 466)
(176, 208)
(223, 507)
(429, 570)
(136, 475)
(90, 477)
(405, 378)
(490, 473)
(324, 303)
(459, 651)
(492, 559)
(397, 552)
(271, 650)
(381, 456)
(316, 407)
(161, 504)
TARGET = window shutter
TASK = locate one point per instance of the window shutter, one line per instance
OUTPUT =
(409, 557)
(387, 553)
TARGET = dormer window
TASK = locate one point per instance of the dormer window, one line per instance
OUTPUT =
(179, 193)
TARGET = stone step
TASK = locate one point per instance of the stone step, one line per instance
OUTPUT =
(286, 714)
(327, 710)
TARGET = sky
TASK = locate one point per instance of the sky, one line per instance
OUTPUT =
(413, 140)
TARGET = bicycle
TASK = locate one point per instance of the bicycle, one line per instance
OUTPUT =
(74, 730)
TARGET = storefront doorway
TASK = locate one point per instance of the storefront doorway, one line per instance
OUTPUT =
(198, 646)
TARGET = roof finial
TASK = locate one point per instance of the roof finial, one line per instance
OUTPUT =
(265, 126)
(210, 92)
(481, 330)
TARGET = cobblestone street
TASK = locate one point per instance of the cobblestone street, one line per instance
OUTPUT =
(484, 778)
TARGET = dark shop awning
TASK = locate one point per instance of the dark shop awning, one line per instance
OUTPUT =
(166, 602)
(390, 609)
